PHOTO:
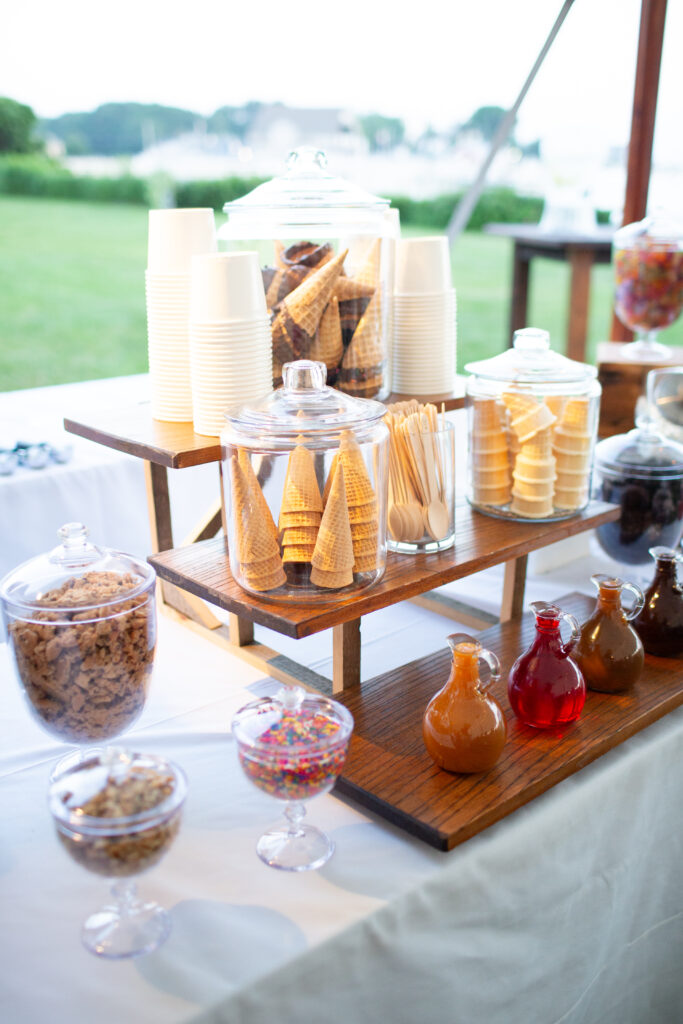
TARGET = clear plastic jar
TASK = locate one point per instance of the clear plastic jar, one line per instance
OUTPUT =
(81, 628)
(326, 249)
(305, 489)
(532, 423)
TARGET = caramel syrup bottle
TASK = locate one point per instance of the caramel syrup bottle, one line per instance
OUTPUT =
(660, 623)
(609, 651)
(463, 727)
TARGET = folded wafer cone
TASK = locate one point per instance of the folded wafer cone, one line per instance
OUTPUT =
(327, 345)
(301, 492)
(253, 538)
(255, 488)
(334, 545)
(301, 311)
(359, 489)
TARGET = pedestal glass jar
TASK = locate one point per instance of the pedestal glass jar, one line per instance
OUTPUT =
(81, 626)
(305, 487)
(642, 472)
(609, 651)
(327, 250)
(648, 275)
(532, 421)
(660, 622)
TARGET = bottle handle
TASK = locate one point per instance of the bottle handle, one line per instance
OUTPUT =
(494, 665)
(575, 628)
(640, 601)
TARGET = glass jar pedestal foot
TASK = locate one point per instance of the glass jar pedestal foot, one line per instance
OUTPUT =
(126, 928)
(295, 846)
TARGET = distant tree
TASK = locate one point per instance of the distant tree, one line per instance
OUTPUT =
(234, 120)
(116, 129)
(382, 132)
(485, 120)
(17, 127)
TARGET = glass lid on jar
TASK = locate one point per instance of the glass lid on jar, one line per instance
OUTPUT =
(305, 195)
(75, 575)
(532, 361)
(304, 405)
(642, 452)
(650, 232)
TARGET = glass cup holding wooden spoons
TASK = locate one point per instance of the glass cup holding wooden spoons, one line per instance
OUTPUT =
(421, 511)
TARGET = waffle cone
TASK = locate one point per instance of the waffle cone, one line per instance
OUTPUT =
(331, 580)
(334, 544)
(357, 482)
(327, 345)
(576, 415)
(301, 493)
(298, 553)
(255, 488)
(305, 305)
(369, 273)
(284, 281)
(330, 477)
(350, 313)
(279, 250)
(294, 536)
(270, 582)
(306, 254)
(262, 567)
(253, 537)
(365, 351)
(349, 288)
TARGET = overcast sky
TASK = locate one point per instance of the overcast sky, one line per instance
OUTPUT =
(427, 61)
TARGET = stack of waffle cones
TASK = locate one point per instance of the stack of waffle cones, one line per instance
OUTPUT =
(258, 554)
(534, 477)
(301, 508)
(572, 441)
(333, 555)
(361, 502)
(491, 483)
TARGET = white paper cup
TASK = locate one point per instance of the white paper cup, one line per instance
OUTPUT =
(423, 265)
(227, 286)
(175, 236)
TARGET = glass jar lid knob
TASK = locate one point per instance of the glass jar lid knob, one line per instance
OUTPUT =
(304, 375)
(531, 339)
(306, 159)
(75, 548)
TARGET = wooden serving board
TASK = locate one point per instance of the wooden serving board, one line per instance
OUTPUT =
(389, 771)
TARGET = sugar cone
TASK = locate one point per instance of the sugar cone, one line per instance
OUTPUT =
(255, 489)
(294, 536)
(301, 311)
(331, 580)
(358, 486)
(334, 545)
(253, 538)
(366, 563)
(364, 514)
(304, 518)
(327, 345)
(301, 493)
(298, 553)
(330, 477)
(364, 358)
(361, 531)
(284, 281)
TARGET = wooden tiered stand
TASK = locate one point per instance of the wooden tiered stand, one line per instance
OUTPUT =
(388, 769)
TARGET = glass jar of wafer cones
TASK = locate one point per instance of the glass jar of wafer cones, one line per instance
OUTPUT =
(305, 488)
(532, 421)
(327, 252)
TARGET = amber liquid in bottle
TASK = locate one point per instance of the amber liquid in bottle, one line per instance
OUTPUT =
(660, 623)
(609, 651)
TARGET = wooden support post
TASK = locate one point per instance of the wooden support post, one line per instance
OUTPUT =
(581, 261)
(514, 582)
(158, 507)
(520, 291)
(345, 655)
(241, 630)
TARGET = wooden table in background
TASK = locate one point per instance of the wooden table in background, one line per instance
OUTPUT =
(581, 251)
(623, 381)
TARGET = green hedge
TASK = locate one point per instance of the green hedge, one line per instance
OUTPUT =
(38, 176)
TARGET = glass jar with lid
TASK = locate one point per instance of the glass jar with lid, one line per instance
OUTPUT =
(81, 626)
(532, 423)
(642, 472)
(305, 490)
(326, 249)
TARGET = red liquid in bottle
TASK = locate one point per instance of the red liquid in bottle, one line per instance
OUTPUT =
(546, 688)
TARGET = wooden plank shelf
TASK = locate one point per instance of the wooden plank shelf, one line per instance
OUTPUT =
(389, 771)
(481, 542)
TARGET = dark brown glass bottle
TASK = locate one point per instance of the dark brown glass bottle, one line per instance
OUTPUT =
(609, 651)
(660, 623)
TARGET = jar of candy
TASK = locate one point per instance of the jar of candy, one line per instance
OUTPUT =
(326, 249)
(305, 488)
(532, 420)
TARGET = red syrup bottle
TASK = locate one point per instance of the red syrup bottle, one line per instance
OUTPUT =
(545, 687)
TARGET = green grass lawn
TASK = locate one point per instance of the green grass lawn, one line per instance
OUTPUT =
(72, 293)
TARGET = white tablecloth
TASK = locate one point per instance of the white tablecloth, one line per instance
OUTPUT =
(570, 911)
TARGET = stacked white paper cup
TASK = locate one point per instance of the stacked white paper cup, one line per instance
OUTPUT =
(174, 237)
(231, 349)
(423, 356)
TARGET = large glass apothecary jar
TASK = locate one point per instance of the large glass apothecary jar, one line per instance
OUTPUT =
(326, 250)
(305, 490)
(532, 424)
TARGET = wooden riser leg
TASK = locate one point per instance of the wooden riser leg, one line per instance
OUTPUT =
(345, 655)
(514, 583)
